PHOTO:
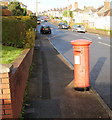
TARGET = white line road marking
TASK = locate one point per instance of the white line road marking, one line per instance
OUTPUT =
(76, 35)
(52, 32)
(99, 38)
(104, 44)
(54, 36)
(73, 34)
(87, 38)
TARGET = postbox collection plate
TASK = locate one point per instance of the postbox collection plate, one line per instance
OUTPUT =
(77, 59)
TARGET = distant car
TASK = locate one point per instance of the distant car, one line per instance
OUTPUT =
(38, 21)
(42, 20)
(45, 29)
(78, 28)
(63, 25)
(45, 20)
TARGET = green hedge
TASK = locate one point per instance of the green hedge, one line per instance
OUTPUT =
(18, 31)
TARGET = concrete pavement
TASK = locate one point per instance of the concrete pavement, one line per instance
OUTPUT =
(51, 89)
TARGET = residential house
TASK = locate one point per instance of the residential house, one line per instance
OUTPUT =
(2, 3)
(103, 20)
(5, 12)
(29, 12)
(71, 7)
(98, 18)
(22, 5)
(78, 15)
(74, 6)
(56, 12)
(103, 16)
(89, 13)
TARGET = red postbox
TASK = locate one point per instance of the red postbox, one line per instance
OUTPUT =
(81, 64)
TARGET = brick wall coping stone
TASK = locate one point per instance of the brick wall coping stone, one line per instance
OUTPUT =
(19, 60)
(4, 68)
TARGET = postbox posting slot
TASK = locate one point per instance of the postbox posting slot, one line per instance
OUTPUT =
(78, 50)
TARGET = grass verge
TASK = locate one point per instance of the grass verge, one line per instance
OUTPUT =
(9, 54)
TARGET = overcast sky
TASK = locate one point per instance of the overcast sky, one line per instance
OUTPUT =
(48, 4)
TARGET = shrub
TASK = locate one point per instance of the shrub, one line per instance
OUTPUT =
(18, 31)
(29, 39)
(65, 21)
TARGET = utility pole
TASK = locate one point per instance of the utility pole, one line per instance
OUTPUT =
(36, 7)
(68, 12)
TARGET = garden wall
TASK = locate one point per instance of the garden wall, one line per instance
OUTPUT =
(12, 85)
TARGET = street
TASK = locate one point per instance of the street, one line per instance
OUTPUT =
(99, 57)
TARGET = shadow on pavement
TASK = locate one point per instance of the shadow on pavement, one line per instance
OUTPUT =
(96, 70)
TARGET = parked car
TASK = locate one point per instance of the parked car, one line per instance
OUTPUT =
(45, 20)
(45, 29)
(78, 28)
(42, 20)
(38, 21)
(63, 25)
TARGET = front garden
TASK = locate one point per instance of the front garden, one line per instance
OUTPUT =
(17, 34)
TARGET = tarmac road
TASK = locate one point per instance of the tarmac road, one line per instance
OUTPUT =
(99, 57)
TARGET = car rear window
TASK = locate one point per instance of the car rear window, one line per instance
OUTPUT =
(45, 26)
(79, 26)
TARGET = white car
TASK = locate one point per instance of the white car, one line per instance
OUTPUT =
(78, 28)
(42, 20)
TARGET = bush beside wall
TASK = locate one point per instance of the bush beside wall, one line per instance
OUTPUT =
(18, 31)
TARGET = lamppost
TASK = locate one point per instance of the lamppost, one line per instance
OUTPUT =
(37, 7)
(68, 12)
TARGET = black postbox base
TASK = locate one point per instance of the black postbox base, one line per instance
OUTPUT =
(82, 88)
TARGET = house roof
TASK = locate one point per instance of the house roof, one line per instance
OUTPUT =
(77, 10)
(101, 11)
(6, 12)
(87, 9)
(54, 9)
(60, 9)
(23, 4)
(29, 12)
(65, 8)
(108, 13)
(93, 9)
(98, 9)
(105, 13)
(3, 3)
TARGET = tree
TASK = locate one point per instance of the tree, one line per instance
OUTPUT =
(65, 13)
(69, 14)
(4, 7)
(24, 11)
(16, 9)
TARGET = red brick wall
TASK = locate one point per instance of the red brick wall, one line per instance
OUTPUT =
(5, 97)
(13, 86)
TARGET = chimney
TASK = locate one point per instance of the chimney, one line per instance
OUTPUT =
(107, 4)
(75, 5)
(70, 7)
